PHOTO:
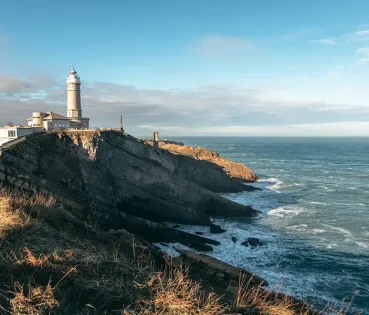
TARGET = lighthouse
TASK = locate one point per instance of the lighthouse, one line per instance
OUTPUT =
(74, 119)
(74, 109)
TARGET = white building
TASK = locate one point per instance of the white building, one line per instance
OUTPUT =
(74, 118)
(8, 133)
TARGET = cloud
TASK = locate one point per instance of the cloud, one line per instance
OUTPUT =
(352, 129)
(326, 41)
(362, 33)
(11, 85)
(358, 36)
(175, 111)
(364, 53)
(218, 46)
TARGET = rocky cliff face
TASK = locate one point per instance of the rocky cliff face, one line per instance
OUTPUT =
(117, 173)
(212, 171)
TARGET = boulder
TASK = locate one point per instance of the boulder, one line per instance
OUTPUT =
(199, 233)
(155, 232)
(234, 239)
(245, 243)
(216, 229)
(201, 247)
(200, 263)
(254, 242)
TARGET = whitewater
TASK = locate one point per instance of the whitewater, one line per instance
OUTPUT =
(314, 224)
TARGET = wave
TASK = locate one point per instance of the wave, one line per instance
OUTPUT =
(343, 231)
(300, 227)
(286, 210)
(304, 228)
(318, 203)
(362, 244)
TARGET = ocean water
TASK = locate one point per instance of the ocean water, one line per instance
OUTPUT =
(315, 216)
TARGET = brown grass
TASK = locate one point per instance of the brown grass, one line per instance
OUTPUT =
(49, 267)
(9, 217)
(173, 292)
(38, 300)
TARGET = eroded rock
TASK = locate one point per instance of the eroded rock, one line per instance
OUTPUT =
(254, 242)
(216, 229)
(245, 243)
(200, 263)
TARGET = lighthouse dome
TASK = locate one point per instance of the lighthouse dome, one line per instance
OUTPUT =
(73, 77)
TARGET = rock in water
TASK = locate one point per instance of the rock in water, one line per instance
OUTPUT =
(245, 243)
(201, 247)
(200, 263)
(254, 241)
(199, 233)
(216, 229)
(234, 239)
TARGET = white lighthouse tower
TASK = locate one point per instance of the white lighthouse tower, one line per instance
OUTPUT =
(74, 110)
(74, 95)
(74, 119)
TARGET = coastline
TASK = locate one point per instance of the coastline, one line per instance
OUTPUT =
(299, 221)
(149, 228)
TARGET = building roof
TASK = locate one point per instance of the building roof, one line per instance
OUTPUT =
(51, 116)
(42, 116)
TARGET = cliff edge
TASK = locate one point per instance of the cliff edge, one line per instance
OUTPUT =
(212, 171)
(110, 176)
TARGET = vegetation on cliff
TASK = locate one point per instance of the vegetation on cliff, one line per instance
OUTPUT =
(79, 212)
(52, 263)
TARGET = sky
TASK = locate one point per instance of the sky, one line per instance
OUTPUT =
(194, 67)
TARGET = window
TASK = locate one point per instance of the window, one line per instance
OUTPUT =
(11, 133)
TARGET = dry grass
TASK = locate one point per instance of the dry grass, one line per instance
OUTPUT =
(9, 217)
(174, 293)
(49, 267)
(269, 303)
(38, 300)
(254, 298)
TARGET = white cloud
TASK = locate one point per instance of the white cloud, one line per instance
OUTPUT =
(362, 33)
(327, 41)
(223, 46)
(363, 51)
(352, 128)
(232, 109)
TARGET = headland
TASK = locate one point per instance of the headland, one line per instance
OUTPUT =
(68, 194)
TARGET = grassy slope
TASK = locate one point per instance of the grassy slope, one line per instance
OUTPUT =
(53, 264)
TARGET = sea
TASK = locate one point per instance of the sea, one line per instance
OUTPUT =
(314, 224)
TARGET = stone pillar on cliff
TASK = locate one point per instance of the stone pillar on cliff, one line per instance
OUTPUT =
(155, 141)
(121, 123)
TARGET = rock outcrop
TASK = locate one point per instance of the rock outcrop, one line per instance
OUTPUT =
(216, 268)
(212, 171)
(115, 172)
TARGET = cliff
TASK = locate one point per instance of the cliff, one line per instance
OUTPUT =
(211, 171)
(77, 226)
(109, 177)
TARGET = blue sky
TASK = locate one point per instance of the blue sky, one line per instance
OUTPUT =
(192, 67)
